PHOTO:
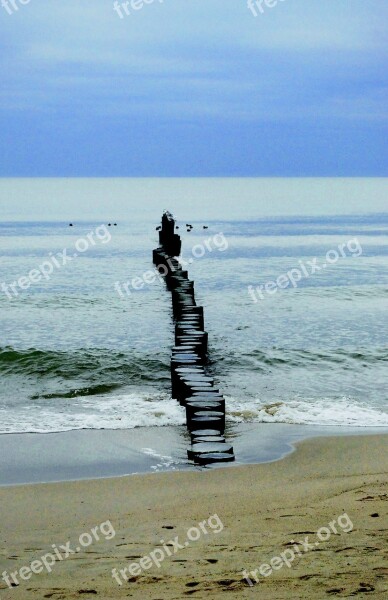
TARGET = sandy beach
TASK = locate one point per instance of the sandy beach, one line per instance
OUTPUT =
(322, 510)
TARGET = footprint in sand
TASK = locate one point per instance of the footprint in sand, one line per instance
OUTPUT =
(227, 582)
(365, 587)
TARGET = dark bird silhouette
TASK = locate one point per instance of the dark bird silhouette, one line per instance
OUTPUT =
(177, 227)
(188, 225)
(205, 227)
(158, 228)
(109, 224)
(70, 224)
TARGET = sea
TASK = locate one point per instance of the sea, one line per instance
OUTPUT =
(292, 275)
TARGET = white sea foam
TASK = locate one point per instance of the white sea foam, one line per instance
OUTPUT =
(128, 411)
(125, 411)
(163, 462)
(308, 411)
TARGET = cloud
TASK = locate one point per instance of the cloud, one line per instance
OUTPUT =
(192, 62)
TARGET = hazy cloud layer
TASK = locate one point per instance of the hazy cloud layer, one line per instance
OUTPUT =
(194, 87)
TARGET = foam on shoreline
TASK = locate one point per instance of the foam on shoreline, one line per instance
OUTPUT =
(155, 409)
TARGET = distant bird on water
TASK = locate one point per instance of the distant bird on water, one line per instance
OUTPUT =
(70, 224)
(205, 227)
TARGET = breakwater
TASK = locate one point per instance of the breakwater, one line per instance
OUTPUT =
(190, 383)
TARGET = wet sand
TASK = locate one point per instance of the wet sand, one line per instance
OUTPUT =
(94, 454)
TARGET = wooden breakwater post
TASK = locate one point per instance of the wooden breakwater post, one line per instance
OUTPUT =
(190, 384)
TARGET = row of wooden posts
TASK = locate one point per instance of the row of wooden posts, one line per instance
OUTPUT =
(191, 385)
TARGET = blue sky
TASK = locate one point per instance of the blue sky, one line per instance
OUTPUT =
(194, 88)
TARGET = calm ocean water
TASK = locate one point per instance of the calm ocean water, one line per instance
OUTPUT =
(75, 354)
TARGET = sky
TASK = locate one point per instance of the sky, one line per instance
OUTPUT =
(193, 88)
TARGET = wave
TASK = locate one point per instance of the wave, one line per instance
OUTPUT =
(308, 411)
(75, 393)
(81, 390)
(128, 411)
(85, 371)
(259, 360)
(125, 411)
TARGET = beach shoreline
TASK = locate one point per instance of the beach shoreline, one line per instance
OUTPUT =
(29, 458)
(262, 509)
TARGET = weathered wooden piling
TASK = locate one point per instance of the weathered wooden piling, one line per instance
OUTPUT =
(190, 382)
